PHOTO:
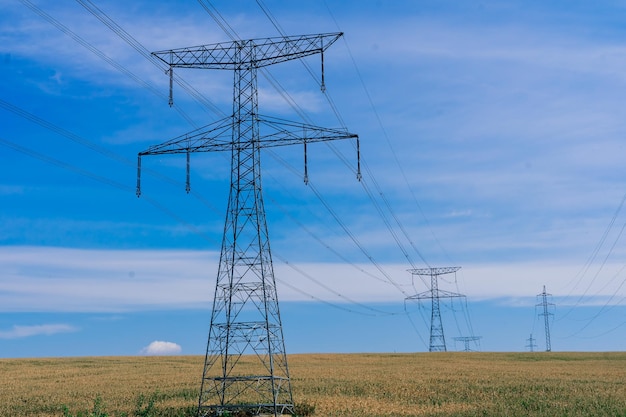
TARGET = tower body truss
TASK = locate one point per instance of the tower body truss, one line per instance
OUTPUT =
(546, 316)
(246, 364)
(437, 338)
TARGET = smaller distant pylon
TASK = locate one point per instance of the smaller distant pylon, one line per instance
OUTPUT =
(437, 339)
(546, 315)
(531, 343)
(466, 341)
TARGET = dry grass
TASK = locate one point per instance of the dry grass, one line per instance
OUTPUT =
(364, 385)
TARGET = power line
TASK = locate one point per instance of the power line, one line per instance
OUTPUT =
(382, 214)
(137, 46)
(605, 307)
(119, 158)
(115, 184)
(581, 273)
(369, 193)
(104, 18)
(211, 9)
(385, 135)
(596, 275)
(277, 26)
(98, 178)
(101, 55)
(408, 315)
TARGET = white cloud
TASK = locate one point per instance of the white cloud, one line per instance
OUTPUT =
(54, 279)
(158, 348)
(18, 332)
(62, 279)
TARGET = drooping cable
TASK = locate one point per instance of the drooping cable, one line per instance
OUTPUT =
(101, 55)
(137, 46)
(233, 35)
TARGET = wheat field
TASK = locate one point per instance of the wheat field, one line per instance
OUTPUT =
(364, 385)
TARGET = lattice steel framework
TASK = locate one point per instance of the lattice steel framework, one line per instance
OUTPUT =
(437, 339)
(531, 343)
(466, 341)
(245, 366)
(546, 315)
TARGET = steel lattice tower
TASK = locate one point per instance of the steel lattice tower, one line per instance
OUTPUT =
(466, 341)
(245, 318)
(437, 339)
(546, 315)
(531, 343)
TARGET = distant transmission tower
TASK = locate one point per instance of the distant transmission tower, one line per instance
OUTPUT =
(546, 315)
(437, 339)
(245, 318)
(531, 343)
(466, 340)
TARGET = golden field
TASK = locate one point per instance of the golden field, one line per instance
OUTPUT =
(364, 385)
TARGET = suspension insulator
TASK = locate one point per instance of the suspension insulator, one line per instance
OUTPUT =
(171, 74)
(323, 84)
(188, 183)
(138, 192)
(306, 168)
(358, 160)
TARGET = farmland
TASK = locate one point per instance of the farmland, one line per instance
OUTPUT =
(365, 385)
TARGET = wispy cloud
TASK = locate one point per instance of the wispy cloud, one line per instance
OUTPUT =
(19, 332)
(11, 189)
(54, 279)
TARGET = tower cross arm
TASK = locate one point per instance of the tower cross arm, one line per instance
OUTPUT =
(434, 271)
(216, 136)
(426, 295)
(254, 52)
(283, 132)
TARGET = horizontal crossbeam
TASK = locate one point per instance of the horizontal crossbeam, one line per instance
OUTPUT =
(250, 53)
(427, 295)
(434, 271)
(217, 137)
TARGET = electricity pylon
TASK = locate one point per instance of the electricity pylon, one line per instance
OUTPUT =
(437, 339)
(466, 340)
(531, 343)
(546, 315)
(245, 319)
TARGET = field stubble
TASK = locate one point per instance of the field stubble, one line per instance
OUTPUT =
(364, 385)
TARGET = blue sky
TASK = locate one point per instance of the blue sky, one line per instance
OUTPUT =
(492, 136)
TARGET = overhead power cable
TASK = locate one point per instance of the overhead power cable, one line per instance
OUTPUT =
(99, 178)
(210, 8)
(326, 245)
(91, 145)
(98, 13)
(102, 56)
(388, 207)
(408, 315)
(137, 46)
(112, 183)
(387, 139)
(592, 257)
